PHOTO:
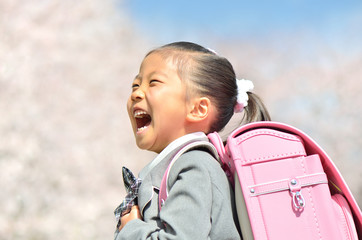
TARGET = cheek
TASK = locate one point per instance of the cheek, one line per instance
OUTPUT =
(129, 105)
(173, 112)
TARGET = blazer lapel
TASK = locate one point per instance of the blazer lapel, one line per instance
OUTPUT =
(153, 175)
(151, 183)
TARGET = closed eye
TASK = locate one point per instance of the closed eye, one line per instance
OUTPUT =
(154, 81)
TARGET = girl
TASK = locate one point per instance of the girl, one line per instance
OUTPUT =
(182, 92)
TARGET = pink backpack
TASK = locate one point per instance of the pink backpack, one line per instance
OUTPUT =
(286, 186)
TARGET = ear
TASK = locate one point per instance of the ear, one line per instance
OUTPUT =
(200, 109)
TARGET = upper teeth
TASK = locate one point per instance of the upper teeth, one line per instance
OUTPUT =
(139, 113)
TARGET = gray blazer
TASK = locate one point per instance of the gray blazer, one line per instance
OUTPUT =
(199, 205)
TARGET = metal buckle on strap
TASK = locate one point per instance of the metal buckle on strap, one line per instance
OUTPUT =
(294, 185)
(296, 190)
(298, 200)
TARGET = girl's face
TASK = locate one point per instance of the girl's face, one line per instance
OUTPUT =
(157, 106)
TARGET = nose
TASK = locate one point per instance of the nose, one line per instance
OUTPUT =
(138, 94)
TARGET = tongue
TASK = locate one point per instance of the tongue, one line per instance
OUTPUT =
(143, 121)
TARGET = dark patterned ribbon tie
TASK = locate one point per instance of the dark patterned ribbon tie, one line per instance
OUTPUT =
(132, 185)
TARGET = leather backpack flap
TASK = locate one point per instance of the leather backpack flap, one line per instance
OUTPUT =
(268, 157)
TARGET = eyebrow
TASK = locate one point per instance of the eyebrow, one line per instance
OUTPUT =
(138, 76)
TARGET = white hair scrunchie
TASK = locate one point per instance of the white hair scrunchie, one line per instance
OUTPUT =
(244, 86)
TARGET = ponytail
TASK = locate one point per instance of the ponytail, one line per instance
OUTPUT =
(255, 110)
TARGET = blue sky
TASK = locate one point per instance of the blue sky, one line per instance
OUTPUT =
(161, 20)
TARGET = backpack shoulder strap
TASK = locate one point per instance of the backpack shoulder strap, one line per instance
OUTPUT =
(193, 145)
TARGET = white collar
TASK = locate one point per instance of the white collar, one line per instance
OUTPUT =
(181, 141)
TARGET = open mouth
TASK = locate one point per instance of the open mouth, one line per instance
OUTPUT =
(143, 120)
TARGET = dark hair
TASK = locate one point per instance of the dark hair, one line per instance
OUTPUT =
(208, 74)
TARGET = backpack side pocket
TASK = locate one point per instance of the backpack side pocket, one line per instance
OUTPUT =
(344, 217)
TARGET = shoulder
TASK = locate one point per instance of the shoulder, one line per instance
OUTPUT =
(196, 163)
(197, 158)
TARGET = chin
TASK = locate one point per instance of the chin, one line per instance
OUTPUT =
(143, 146)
